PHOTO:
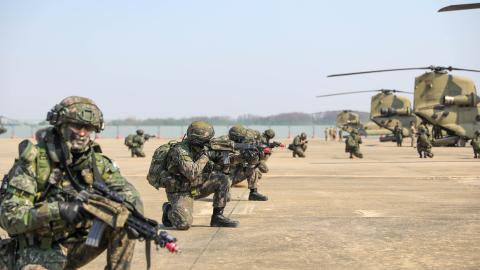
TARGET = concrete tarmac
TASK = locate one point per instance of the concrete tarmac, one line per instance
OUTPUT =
(390, 210)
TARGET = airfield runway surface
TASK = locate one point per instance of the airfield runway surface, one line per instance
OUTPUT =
(390, 210)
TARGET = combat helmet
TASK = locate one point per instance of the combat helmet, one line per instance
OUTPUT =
(269, 133)
(200, 132)
(76, 110)
(354, 131)
(303, 135)
(140, 132)
(237, 133)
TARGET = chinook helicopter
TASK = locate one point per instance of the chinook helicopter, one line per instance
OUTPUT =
(459, 7)
(386, 111)
(447, 102)
(348, 120)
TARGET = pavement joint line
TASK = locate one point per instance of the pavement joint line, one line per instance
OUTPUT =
(374, 176)
(213, 236)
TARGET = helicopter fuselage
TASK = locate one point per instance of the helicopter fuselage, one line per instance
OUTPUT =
(448, 102)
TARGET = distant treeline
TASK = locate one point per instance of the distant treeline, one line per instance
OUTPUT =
(295, 118)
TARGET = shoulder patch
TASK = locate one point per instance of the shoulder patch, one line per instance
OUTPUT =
(27, 152)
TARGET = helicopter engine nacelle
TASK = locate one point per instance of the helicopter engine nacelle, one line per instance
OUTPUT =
(462, 100)
(392, 111)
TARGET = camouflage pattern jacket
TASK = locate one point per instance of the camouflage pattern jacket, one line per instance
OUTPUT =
(30, 215)
(185, 165)
(138, 141)
(423, 141)
(475, 143)
(298, 142)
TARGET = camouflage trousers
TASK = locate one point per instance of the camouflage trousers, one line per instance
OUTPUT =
(299, 150)
(355, 151)
(137, 152)
(75, 255)
(476, 152)
(424, 151)
(240, 173)
(181, 212)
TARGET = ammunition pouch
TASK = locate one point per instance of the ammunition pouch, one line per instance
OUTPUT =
(8, 249)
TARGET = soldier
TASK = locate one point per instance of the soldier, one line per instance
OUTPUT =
(352, 144)
(340, 135)
(326, 134)
(424, 146)
(413, 131)
(135, 142)
(397, 132)
(299, 145)
(247, 168)
(185, 163)
(475, 143)
(267, 139)
(47, 225)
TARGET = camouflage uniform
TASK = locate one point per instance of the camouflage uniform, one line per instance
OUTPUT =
(250, 169)
(299, 145)
(188, 181)
(33, 215)
(424, 146)
(475, 143)
(138, 141)
(352, 144)
(397, 132)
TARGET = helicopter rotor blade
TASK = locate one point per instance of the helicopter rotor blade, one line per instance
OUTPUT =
(364, 91)
(464, 69)
(460, 7)
(347, 93)
(375, 71)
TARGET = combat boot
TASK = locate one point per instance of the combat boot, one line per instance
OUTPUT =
(165, 208)
(219, 220)
(255, 196)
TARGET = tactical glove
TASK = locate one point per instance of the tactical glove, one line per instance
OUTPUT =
(71, 212)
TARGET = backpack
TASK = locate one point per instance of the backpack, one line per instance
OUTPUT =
(158, 174)
(129, 140)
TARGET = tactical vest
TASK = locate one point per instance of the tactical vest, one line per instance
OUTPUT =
(42, 162)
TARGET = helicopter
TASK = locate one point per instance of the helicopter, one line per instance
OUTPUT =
(348, 120)
(459, 7)
(447, 102)
(386, 111)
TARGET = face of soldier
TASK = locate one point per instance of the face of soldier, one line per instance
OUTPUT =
(77, 136)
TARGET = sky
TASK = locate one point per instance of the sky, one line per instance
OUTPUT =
(148, 59)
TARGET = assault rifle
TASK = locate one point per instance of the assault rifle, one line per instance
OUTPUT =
(148, 136)
(227, 147)
(110, 209)
(275, 144)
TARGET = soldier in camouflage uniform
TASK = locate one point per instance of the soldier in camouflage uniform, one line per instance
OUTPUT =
(352, 144)
(48, 227)
(267, 139)
(397, 132)
(299, 145)
(424, 146)
(248, 168)
(185, 164)
(137, 142)
(475, 143)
